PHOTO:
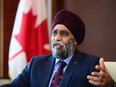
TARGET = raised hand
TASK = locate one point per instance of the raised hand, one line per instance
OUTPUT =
(102, 78)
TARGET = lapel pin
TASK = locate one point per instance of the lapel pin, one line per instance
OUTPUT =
(75, 62)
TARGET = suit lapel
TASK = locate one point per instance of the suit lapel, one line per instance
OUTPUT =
(73, 65)
(47, 71)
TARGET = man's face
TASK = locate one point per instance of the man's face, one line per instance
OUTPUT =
(63, 43)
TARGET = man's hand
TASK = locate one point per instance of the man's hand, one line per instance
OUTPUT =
(102, 78)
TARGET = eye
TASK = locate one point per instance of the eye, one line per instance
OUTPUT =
(54, 32)
(64, 33)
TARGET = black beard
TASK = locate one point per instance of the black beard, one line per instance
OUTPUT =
(64, 52)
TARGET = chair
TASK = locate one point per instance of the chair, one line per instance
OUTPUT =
(111, 67)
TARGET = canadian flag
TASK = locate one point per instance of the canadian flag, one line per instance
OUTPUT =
(30, 35)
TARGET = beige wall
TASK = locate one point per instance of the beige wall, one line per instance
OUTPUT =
(99, 17)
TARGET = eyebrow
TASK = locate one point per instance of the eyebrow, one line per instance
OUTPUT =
(59, 30)
(64, 31)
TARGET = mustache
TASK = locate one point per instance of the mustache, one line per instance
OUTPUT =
(58, 43)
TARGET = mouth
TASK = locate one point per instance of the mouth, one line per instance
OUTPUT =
(57, 46)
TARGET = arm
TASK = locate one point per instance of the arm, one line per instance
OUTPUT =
(22, 80)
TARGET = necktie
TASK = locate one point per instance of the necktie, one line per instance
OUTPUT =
(58, 75)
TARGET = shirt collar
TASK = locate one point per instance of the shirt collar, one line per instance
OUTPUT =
(67, 60)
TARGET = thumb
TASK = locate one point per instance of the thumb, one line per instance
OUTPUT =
(102, 65)
(102, 62)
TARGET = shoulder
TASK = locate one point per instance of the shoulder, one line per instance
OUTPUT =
(88, 58)
(38, 61)
(41, 58)
(85, 55)
(91, 59)
(89, 55)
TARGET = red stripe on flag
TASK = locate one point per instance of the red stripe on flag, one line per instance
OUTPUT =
(15, 55)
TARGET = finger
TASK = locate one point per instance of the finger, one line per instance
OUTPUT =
(101, 69)
(102, 66)
(98, 74)
(94, 78)
(102, 62)
(96, 83)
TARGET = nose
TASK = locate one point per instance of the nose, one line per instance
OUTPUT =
(58, 37)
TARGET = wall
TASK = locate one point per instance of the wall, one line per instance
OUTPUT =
(9, 11)
(99, 17)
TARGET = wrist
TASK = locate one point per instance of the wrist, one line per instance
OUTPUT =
(114, 84)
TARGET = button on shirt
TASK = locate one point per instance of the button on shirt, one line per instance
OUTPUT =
(67, 60)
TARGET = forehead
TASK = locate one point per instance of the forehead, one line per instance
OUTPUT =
(61, 27)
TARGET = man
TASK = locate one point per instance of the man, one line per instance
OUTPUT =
(80, 70)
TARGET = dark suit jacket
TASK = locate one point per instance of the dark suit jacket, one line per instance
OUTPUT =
(38, 72)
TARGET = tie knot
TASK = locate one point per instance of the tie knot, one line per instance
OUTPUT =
(62, 64)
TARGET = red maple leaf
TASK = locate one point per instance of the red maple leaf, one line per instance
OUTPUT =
(33, 39)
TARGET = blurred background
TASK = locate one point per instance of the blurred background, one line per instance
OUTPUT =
(99, 17)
